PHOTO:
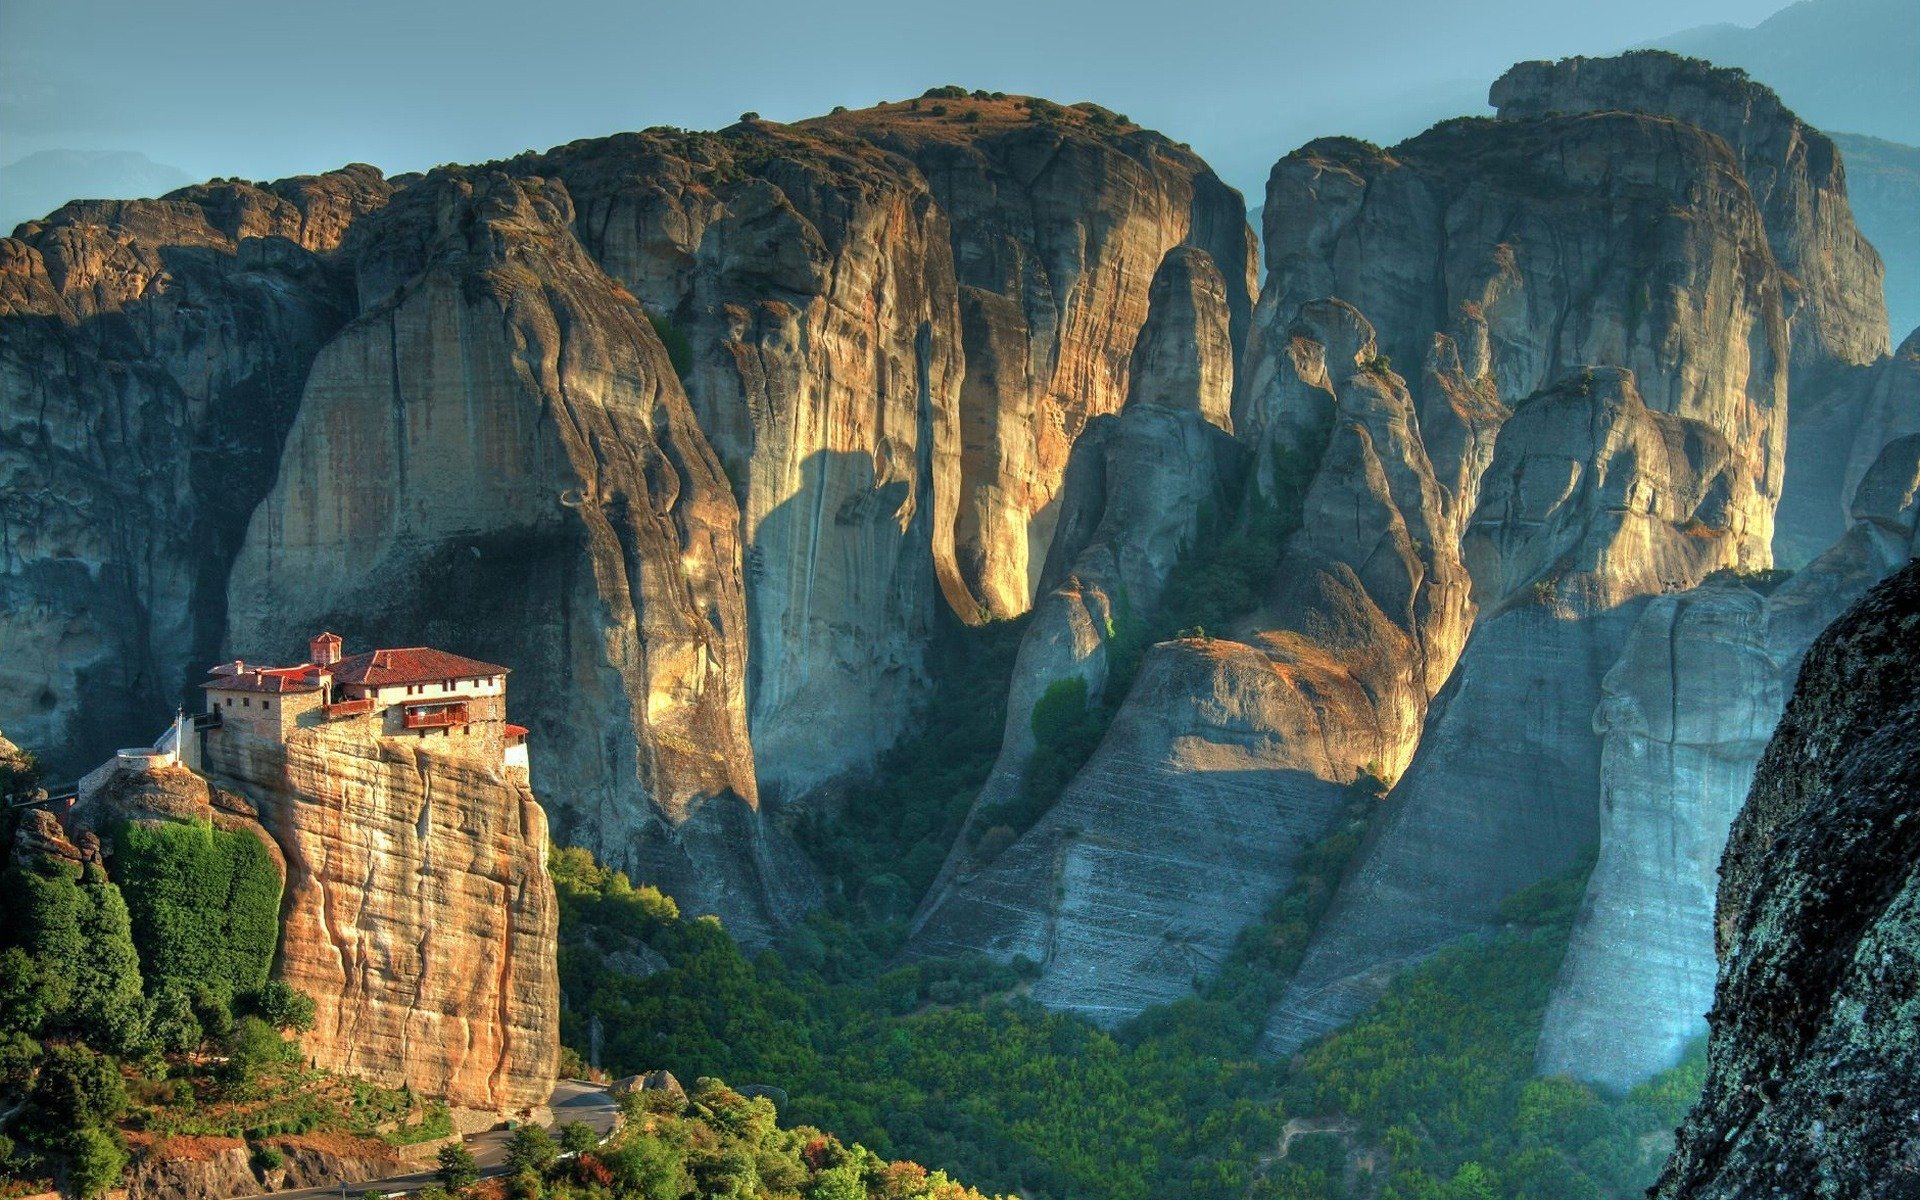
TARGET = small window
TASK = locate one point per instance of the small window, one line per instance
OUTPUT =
(246, 702)
(265, 704)
(229, 701)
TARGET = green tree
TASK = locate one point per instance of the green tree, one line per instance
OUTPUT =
(457, 1167)
(253, 1046)
(284, 1006)
(95, 1161)
(205, 904)
(649, 1168)
(578, 1137)
(531, 1148)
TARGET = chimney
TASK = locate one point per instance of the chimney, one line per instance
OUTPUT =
(324, 650)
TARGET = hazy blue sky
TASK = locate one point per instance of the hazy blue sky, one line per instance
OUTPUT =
(264, 89)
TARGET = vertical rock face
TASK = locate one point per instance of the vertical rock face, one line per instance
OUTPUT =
(1592, 502)
(418, 912)
(1835, 282)
(1839, 311)
(1841, 421)
(500, 457)
(1813, 1075)
(1135, 498)
(1228, 756)
(151, 359)
(1502, 256)
(1060, 220)
(1684, 716)
(812, 280)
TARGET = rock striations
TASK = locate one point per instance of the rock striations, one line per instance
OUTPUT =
(1813, 1074)
(706, 432)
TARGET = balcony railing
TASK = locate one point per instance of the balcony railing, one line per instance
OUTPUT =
(435, 718)
(349, 708)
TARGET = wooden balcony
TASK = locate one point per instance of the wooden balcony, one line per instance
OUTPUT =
(440, 716)
(348, 708)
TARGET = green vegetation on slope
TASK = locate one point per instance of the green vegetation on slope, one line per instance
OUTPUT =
(205, 905)
(947, 1064)
(144, 1003)
(711, 1142)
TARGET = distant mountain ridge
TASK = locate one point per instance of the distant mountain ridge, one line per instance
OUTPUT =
(1840, 64)
(35, 185)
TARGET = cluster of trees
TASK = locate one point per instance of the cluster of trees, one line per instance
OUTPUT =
(946, 1063)
(100, 983)
(711, 1141)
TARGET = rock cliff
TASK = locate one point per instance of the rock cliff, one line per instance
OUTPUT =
(152, 355)
(1228, 756)
(418, 913)
(1835, 291)
(1684, 716)
(1813, 1076)
(1593, 502)
(499, 452)
(1061, 218)
(700, 432)
(1497, 257)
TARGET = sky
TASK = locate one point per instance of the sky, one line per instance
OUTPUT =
(262, 89)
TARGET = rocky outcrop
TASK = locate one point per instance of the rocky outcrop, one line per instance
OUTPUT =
(1684, 716)
(1841, 422)
(1593, 502)
(1838, 309)
(794, 390)
(1813, 1075)
(1140, 491)
(1497, 257)
(1061, 219)
(812, 280)
(500, 452)
(418, 913)
(151, 358)
(1228, 756)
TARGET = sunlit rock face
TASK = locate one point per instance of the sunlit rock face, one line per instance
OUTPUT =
(498, 459)
(1813, 1075)
(1836, 304)
(418, 913)
(1060, 223)
(1230, 752)
(152, 354)
(1592, 503)
(1684, 716)
(1497, 257)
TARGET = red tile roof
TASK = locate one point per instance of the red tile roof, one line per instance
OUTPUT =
(516, 730)
(414, 664)
(266, 679)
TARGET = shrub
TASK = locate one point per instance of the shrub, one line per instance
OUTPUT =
(284, 1006)
(679, 349)
(253, 1046)
(457, 1168)
(95, 1161)
(531, 1148)
(578, 1137)
(951, 91)
(749, 117)
(266, 1158)
(204, 903)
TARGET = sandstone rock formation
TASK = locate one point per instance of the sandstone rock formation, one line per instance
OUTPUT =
(1593, 502)
(1684, 716)
(1490, 256)
(1228, 756)
(418, 912)
(1838, 311)
(681, 571)
(1813, 1074)
(151, 358)
(1061, 218)
(500, 456)
(1140, 490)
